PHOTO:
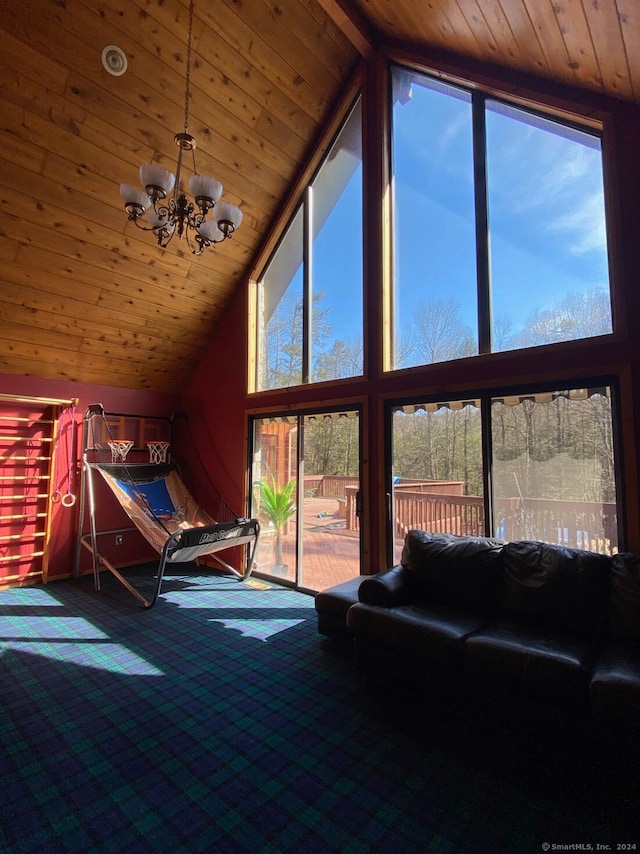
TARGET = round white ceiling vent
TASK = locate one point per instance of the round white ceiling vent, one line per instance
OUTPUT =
(114, 60)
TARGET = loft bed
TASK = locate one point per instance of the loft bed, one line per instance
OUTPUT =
(133, 456)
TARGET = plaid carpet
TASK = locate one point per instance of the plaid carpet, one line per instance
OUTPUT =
(220, 721)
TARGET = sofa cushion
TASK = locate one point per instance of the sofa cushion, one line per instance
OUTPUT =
(625, 597)
(453, 570)
(615, 684)
(395, 586)
(557, 587)
(531, 662)
(432, 633)
(332, 605)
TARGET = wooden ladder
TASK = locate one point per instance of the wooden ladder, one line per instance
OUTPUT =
(28, 449)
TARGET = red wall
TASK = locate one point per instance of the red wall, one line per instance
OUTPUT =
(214, 403)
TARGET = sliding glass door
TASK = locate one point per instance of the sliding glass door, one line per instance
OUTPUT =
(437, 482)
(305, 490)
(536, 465)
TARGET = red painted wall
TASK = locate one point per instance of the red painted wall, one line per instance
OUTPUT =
(214, 402)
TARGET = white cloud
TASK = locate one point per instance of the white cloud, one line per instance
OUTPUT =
(557, 184)
(584, 223)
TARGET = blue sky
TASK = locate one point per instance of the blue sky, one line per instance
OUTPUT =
(546, 215)
(545, 201)
(338, 262)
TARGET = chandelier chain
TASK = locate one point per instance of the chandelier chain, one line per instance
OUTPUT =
(187, 91)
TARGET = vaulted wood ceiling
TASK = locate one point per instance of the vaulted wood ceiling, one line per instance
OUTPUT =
(86, 296)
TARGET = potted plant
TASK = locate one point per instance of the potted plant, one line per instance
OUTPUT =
(278, 505)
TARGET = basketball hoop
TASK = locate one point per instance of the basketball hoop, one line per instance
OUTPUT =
(158, 452)
(119, 449)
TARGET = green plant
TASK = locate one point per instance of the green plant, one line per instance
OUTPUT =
(278, 505)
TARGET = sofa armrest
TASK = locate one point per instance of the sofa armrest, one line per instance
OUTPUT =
(388, 588)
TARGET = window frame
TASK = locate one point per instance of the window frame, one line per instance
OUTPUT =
(297, 415)
(485, 397)
(304, 206)
(479, 96)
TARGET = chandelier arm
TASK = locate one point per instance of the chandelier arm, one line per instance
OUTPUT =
(136, 221)
(164, 211)
(202, 243)
(164, 240)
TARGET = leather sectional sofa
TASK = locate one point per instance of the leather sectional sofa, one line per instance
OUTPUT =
(520, 620)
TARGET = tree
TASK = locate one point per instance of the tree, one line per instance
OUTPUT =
(278, 505)
(343, 359)
(502, 333)
(554, 447)
(577, 315)
(442, 445)
(281, 359)
(438, 335)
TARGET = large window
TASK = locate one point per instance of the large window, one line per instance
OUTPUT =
(553, 470)
(539, 466)
(435, 310)
(281, 303)
(499, 226)
(310, 320)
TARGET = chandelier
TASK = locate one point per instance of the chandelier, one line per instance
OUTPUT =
(180, 215)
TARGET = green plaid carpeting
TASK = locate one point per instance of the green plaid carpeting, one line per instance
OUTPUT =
(220, 721)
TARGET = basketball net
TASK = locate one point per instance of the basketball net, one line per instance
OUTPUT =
(157, 452)
(119, 449)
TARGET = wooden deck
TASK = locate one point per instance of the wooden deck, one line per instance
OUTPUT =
(331, 543)
(330, 553)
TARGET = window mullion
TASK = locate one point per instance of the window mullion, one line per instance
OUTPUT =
(483, 258)
(307, 295)
(487, 464)
(261, 358)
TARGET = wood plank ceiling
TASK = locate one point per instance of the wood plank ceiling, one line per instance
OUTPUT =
(84, 295)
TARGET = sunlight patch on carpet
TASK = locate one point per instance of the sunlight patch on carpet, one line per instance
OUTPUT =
(258, 629)
(111, 657)
(257, 585)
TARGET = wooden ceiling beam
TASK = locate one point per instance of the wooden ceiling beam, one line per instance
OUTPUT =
(353, 24)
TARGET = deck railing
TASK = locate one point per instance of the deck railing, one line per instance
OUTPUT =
(328, 486)
(438, 512)
(589, 525)
(580, 524)
(439, 506)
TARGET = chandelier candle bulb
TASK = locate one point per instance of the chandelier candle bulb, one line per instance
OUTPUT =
(228, 217)
(157, 181)
(135, 199)
(159, 223)
(205, 190)
(210, 231)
